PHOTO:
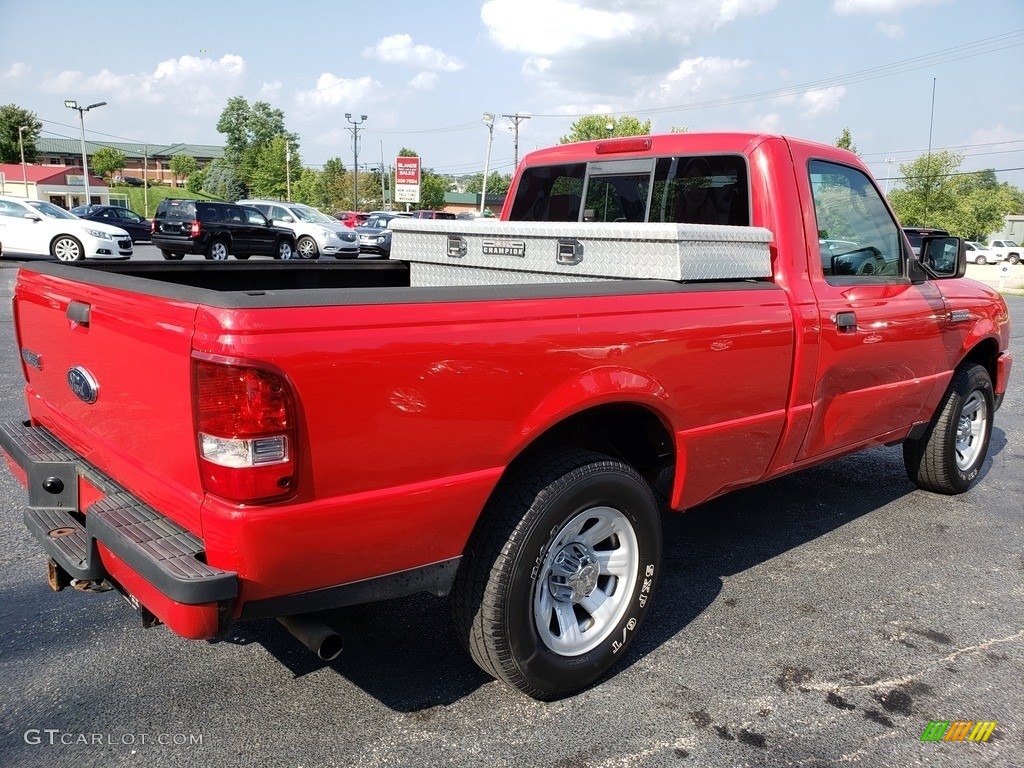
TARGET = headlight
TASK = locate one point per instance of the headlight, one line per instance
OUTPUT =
(326, 234)
(100, 235)
(382, 239)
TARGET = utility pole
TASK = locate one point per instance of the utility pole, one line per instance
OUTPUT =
(928, 189)
(516, 119)
(21, 145)
(288, 168)
(354, 130)
(488, 120)
(72, 104)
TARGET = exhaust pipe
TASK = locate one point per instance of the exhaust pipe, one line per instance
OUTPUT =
(314, 634)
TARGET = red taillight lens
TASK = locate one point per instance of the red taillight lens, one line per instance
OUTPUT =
(245, 431)
(152, 225)
(196, 229)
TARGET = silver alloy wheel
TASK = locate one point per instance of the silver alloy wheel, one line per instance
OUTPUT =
(285, 250)
(585, 581)
(219, 251)
(306, 248)
(67, 248)
(970, 431)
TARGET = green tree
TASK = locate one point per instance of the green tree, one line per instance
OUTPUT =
(194, 182)
(269, 176)
(308, 188)
(592, 127)
(928, 195)
(335, 188)
(981, 203)
(13, 117)
(497, 183)
(248, 131)
(222, 182)
(845, 141)
(183, 166)
(107, 160)
(432, 190)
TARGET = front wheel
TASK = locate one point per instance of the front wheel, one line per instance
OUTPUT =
(560, 572)
(948, 458)
(980, 260)
(306, 248)
(67, 248)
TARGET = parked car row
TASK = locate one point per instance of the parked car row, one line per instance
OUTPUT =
(316, 234)
(39, 228)
(117, 216)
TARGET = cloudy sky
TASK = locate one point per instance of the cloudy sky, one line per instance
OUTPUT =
(424, 73)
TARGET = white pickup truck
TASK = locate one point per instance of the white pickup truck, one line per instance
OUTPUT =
(1008, 249)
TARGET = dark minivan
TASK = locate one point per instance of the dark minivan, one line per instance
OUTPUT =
(217, 230)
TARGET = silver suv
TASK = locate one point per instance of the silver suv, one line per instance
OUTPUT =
(316, 234)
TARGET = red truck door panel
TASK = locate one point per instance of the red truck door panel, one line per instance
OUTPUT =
(881, 350)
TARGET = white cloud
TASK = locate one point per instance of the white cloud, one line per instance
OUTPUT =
(399, 49)
(208, 84)
(424, 81)
(536, 65)
(892, 31)
(821, 101)
(701, 76)
(846, 7)
(270, 91)
(333, 91)
(770, 123)
(16, 70)
(515, 25)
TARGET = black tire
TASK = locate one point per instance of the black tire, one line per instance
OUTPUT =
(537, 564)
(218, 250)
(1013, 258)
(67, 248)
(242, 256)
(285, 249)
(172, 256)
(306, 248)
(948, 458)
(980, 260)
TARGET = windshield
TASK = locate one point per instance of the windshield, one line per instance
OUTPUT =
(312, 215)
(50, 210)
(1011, 244)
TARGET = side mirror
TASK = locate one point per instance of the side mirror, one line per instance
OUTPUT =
(944, 257)
(33, 217)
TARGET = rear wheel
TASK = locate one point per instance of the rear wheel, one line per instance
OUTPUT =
(949, 456)
(217, 250)
(67, 248)
(980, 260)
(1013, 258)
(559, 574)
(306, 248)
(171, 256)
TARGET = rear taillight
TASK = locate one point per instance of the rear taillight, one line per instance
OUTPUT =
(152, 225)
(245, 431)
(196, 229)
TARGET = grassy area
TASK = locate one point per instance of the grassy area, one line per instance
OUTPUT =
(137, 197)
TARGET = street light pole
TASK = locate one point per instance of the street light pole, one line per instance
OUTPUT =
(72, 104)
(21, 146)
(488, 120)
(355, 160)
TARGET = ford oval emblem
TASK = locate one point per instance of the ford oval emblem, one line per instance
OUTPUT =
(83, 384)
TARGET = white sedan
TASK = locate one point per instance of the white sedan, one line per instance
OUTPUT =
(41, 228)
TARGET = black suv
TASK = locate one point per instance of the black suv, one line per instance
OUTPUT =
(217, 230)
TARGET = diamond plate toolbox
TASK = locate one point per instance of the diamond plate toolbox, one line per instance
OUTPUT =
(501, 252)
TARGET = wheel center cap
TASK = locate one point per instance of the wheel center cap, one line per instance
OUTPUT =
(964, 431)
(574, 573)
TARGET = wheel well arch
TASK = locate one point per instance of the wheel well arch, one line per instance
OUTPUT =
(984, 353)
(629, 432)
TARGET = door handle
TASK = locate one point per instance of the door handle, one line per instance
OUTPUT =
(846, 322)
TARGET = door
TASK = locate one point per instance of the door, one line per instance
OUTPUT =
(16, 232)
(881, 348)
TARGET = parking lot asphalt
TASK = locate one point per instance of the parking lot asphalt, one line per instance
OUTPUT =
(822, 619)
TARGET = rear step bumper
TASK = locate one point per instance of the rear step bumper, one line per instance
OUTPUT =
(150, 551)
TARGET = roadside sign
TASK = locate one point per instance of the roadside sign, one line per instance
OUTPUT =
(407, 179)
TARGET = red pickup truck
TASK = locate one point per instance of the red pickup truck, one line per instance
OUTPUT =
(500, 411)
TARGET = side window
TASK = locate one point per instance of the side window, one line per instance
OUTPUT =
(856, 235)
(255, 217)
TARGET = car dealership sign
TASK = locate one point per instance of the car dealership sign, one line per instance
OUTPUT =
(407, 179)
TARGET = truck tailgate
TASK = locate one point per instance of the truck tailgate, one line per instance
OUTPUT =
(108, 372)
